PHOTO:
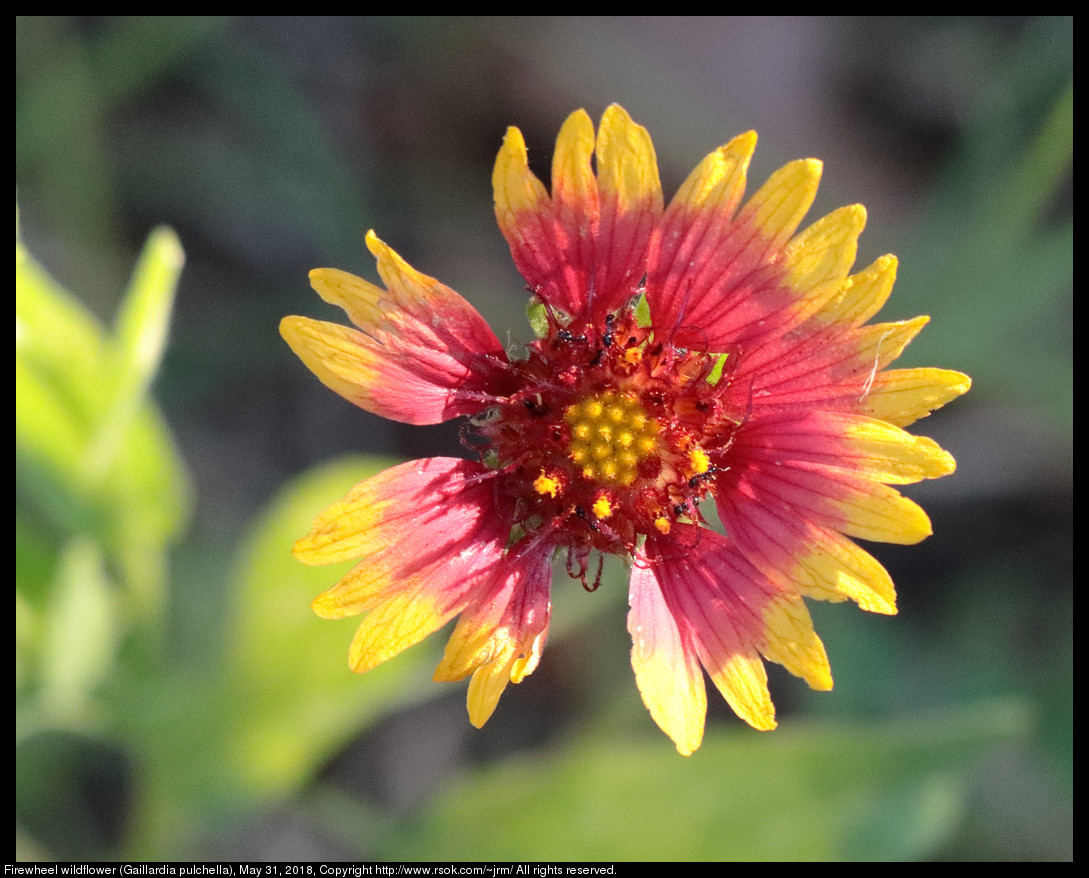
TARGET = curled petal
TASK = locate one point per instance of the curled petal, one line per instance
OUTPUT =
(422, 354)
(631, 205)
(582, 249)
(389, 377)
(550, 243)
(500, 635)
(426, 537)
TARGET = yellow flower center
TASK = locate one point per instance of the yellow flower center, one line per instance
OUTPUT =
(610, 434)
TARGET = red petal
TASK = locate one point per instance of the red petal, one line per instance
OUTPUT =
(427, 536)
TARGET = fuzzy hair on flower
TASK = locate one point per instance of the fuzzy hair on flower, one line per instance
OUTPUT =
(696, 353)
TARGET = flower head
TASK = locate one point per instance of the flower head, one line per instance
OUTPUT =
(705, 352)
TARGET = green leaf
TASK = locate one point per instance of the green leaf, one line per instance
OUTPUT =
(806, 792)
(293, 699)
(642, 311)
(997, 238)
(92, 454)
(60, 358)
(142, 327)
(716, 371)
(79, 632)
(537, 314)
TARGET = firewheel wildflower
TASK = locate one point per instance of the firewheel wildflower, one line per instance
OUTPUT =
(704, 352)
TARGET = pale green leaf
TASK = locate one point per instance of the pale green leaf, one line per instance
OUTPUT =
(805, 792)
(294, 699)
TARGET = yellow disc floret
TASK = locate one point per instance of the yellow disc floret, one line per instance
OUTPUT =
(698, 460)
(602, 507)
(546, 484)
(610, 435)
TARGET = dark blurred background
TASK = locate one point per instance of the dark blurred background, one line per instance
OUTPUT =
(271, 145)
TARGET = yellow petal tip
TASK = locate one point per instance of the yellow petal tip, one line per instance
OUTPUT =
(747, 139)
(376, 245)
(289, 327)
(327, 607)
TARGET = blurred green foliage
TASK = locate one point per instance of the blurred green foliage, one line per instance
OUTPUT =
(100, 490)
(998, 235)
(809, 793)
(100, 495)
